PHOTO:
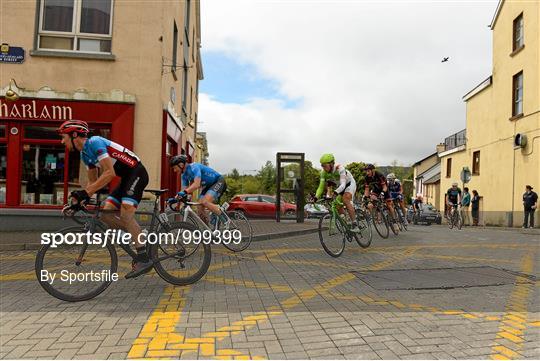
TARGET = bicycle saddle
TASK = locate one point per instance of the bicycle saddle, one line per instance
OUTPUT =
(156, 192)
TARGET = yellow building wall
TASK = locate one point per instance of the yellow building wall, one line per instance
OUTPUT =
(504, 171)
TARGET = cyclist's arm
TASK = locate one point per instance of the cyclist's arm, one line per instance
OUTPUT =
(320, 190)
(92, 175)
(196, 184)
(105, 178)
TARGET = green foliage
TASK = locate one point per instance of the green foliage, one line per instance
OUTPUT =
(357, 171)
(267, 178)
(311, 178)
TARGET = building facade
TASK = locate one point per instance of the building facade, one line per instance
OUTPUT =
(130, 69)
(501, 148)
(426, 179)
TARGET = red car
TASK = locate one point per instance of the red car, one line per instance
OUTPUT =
(259, 205)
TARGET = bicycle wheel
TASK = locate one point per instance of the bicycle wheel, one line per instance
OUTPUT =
(451, 221)
(402, 219)
(380, 223)
(331, 235)
(365, 236)
(82, 271)
(459, 221)
(180, 261)
(238, 222)
(390, 221)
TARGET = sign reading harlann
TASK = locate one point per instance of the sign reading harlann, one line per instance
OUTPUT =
(33, 110)
(11, 54)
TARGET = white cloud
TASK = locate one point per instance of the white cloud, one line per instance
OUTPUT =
(369, 75)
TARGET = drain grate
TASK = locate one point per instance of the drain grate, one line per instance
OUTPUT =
(441, 278)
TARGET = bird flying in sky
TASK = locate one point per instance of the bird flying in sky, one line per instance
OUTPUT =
(445, 59)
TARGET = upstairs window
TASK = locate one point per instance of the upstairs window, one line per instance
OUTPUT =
(518, 33)
(76, 25)
(449, 168)
(517, 94)
(476, 163)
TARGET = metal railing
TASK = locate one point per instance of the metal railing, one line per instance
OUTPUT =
(456, 140)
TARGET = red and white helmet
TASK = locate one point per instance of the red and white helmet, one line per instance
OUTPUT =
(71, 126)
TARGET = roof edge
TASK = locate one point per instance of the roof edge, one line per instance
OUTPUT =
(496, 15)
(423, 159)
(477, 89)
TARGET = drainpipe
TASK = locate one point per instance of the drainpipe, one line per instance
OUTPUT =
(511, 216)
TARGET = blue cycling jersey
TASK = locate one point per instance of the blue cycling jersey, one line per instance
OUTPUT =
(98, 148)
(394, 188)
(192, 171)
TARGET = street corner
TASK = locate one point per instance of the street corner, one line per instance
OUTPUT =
(427, 294)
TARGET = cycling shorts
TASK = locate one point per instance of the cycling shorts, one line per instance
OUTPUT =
(350, 187)
(131, 188)
(215, 189)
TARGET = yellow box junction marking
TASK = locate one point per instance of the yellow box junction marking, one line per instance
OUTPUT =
(514, 321)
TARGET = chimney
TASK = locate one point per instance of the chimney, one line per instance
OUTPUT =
(441, 147)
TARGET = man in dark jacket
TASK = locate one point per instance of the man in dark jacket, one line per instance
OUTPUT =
(530, 203)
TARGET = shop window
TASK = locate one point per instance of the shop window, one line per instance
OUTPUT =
(37, 132)
(42, 179)
(76, 25)
(3, 163)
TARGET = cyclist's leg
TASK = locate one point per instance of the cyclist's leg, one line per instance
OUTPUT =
(211, 194)
(347, 200)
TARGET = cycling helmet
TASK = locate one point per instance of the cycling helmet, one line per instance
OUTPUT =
(369, 166)
(71, 126)
(327, 158)
(391, 177)
(419, 195)
(177, 159)
(454, 184)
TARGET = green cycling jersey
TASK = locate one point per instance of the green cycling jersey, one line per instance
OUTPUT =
(339, 175)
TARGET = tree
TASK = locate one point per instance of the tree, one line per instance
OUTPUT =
(235, 174)
(267, 178)
(358, 173)
(311, 177)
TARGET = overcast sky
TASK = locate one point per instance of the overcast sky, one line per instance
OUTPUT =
(361, 79)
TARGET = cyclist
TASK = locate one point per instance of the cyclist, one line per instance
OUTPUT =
(417, 205)
(375, 182)
(198, 176)
(452, 198)
(345, 185)
(112, 159)
(396, 191)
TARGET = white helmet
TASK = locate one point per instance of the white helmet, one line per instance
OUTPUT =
(391, 177)
(419, 195)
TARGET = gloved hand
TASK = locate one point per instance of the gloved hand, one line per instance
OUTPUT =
(80, 196)
(172, 200)
(181, 194)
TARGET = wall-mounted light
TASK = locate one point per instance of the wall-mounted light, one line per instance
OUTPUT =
(11, 94)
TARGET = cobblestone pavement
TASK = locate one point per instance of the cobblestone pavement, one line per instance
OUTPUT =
(286, 299)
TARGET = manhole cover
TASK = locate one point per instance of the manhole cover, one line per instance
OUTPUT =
(441, 278)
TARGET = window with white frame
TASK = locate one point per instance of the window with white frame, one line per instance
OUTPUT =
(76, 25)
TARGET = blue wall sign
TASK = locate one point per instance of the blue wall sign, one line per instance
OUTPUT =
(11, 54)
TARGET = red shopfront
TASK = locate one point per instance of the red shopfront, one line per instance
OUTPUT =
(36, 171)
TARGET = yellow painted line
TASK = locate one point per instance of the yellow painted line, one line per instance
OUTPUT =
(159, 328)
(249, 284)
(514, 320)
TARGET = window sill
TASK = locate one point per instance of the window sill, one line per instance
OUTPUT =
(517, 50)
(69, 54)
(516, 117)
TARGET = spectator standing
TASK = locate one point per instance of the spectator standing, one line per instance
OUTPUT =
(475, 207)
(530, 203)
(465, 203)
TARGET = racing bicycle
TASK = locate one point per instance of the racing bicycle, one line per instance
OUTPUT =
(334, 229)
(235, 233)
(175, 261)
